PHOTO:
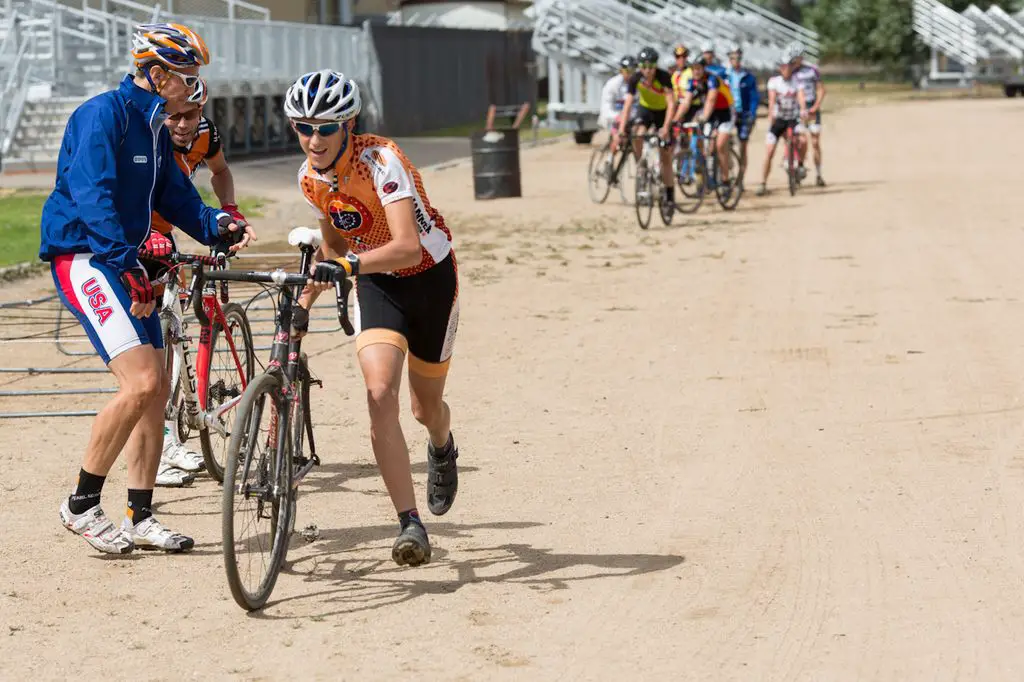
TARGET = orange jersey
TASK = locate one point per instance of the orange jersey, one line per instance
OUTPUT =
(371, 175)
(206, 145)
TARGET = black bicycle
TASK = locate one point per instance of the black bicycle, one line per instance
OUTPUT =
(608, 169)
(259, 496)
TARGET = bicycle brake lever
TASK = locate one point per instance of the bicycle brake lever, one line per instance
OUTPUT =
(341, 290)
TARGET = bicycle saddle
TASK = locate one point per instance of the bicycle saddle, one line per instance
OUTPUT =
(305, 236)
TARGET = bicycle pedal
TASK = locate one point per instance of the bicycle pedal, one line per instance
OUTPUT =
(311, 533)
(316, 382)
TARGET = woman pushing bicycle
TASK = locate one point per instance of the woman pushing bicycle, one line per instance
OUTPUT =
(379, 228)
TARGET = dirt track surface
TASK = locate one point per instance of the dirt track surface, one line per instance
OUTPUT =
(779, 444)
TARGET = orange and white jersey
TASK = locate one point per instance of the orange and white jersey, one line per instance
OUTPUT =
(206, 145)
(370, 175)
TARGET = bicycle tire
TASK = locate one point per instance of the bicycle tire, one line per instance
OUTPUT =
(175, 405)
(729, 201)
(627, 177)
(261, 393)
(644, 202)
(791, 156)
(243, 346)
(597, 174)
(301, 425)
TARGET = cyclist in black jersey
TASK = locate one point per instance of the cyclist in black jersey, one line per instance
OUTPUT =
(651, 88)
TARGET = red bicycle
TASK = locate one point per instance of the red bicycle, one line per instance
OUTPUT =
(792, 160)
(204, 396)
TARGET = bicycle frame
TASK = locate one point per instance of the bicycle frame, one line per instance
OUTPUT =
(196, 389)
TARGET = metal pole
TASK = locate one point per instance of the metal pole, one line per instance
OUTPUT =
(32, 415)
(345, 12)
(56, 391)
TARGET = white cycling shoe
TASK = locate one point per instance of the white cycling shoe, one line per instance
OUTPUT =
(151, 534)
(99, 531)
(175, 454)
(168, 476)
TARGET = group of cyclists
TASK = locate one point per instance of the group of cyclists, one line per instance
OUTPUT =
(124, 185)
(643, 98)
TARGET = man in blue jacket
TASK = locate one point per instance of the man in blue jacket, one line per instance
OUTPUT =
(745, 99)
(116, 165)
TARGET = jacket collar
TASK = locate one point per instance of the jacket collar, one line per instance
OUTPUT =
(145, 100)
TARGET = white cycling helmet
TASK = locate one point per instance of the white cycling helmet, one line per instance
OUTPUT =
(707, 47)
(326, 95)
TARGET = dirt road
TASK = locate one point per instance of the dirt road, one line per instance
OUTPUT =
(779, 444)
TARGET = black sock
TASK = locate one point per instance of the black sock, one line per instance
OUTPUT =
(670, 192)
(139, 503)
(87, 492)
(410, 516)
(441, 453)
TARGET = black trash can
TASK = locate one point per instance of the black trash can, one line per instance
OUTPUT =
(495, 156)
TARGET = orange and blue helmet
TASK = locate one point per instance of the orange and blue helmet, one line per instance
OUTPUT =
(173, 45)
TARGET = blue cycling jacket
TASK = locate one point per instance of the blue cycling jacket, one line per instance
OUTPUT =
(116, 165)
(744, 90)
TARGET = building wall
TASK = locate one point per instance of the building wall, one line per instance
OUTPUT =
(433, 78)
(474, 15)
(309, 10)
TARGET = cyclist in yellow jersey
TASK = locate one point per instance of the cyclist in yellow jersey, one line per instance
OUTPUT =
(651, 88)
(380, 229)
(682, 73)
(711, 93)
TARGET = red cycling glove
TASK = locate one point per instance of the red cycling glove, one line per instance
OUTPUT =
(232, 210)
(157, 246)
(137, 283)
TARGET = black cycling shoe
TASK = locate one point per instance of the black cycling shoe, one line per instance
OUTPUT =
(412, 547)
(442, 477)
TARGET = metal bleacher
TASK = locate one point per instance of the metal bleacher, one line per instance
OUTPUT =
(56, 53)
(582, 41)
(971, 45)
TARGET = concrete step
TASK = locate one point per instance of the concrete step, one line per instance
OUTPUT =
(17, 164)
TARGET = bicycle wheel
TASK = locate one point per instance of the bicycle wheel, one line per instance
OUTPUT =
(598, 172)
(644, 196)
(175, 408)
(791, 166)
(302, 426)
(257, 489)
(627, 177)
(690, 180)
(224, 381)
(729, 193)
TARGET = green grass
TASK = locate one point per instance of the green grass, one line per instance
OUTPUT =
(19, 221)
(19, 226)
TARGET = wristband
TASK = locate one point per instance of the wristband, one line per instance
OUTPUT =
(350, 262)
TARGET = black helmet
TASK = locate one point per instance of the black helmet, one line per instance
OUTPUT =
(648, 55)
(628, 62)
(702, 61)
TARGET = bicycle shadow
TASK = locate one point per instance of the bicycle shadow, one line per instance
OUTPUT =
(327, 478)
(356, 583)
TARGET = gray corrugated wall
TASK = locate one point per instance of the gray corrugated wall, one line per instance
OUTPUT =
(435, 78)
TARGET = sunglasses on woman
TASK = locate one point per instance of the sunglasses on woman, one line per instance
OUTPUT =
(324, 129)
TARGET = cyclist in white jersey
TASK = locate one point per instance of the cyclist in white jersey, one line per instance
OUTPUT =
(808, 77)
(613, 95)
(787, 105)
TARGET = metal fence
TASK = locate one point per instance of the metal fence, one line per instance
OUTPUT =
(436, 78)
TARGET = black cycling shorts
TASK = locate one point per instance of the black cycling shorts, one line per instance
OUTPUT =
(778, 129)
(649, 117)
(418, 314)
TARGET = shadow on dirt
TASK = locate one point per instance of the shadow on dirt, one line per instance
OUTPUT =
(353, 582)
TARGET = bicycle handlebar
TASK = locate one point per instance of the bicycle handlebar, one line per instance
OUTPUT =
(280, 278)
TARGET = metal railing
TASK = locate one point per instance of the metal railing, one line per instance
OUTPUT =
(13, 93)
(143, 12)
(280, 51)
